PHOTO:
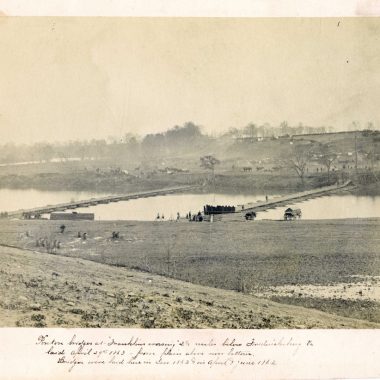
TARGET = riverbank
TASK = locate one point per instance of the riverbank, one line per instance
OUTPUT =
(77, 177)
(249, 257)
(90, 181)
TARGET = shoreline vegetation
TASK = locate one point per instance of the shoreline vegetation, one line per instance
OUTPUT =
(224, 183)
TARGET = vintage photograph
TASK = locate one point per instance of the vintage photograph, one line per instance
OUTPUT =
(190, 173)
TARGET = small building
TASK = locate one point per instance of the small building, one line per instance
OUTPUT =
(31, 215)
(72, 216)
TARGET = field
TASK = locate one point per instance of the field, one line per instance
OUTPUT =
(44, 290)
(332, 265)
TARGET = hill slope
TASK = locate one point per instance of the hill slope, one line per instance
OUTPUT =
(41, 289)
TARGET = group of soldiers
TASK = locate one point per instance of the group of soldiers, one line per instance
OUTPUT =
(82, 236)
(162, 217)
(190, 217)
(195, 217)
(50, 245)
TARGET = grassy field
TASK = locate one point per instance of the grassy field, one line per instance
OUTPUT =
(43, 290)
(242, 256)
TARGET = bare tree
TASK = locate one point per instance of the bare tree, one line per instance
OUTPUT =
(327, 156)
(45, 151)
(371, 153)
(284, 128)
(251, 130)
(62, 156)
(209, 162)
(297, 161)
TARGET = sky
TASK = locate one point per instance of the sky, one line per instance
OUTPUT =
(83, 78)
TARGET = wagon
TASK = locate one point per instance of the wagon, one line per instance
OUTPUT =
(292, 214)
(251, 215)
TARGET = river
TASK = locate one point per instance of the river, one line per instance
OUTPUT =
(327, 207)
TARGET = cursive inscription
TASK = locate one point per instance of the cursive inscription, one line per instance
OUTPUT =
(77, 351)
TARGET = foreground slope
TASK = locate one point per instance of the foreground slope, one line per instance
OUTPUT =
(40, 289)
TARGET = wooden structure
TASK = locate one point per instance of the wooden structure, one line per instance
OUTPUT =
(34, 213)
(72, 216)
(208, 210)
(258, 206)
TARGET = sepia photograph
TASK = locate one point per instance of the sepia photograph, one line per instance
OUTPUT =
(189, 173)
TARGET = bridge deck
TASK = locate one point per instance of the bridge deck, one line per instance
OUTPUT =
(95, 201)
(286, 200)
(239, 210)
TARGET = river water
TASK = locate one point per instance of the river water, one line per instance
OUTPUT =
(13, 199)
(327, 207)
(331, 207)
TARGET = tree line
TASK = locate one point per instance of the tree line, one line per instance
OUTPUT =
(179, 139)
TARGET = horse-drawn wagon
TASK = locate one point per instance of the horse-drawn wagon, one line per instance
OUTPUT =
(251, 215)
(292, 214)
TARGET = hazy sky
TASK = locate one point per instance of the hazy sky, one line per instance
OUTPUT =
(84, 78)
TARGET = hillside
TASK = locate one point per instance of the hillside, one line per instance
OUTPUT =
(121, 169)
(47, 290)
